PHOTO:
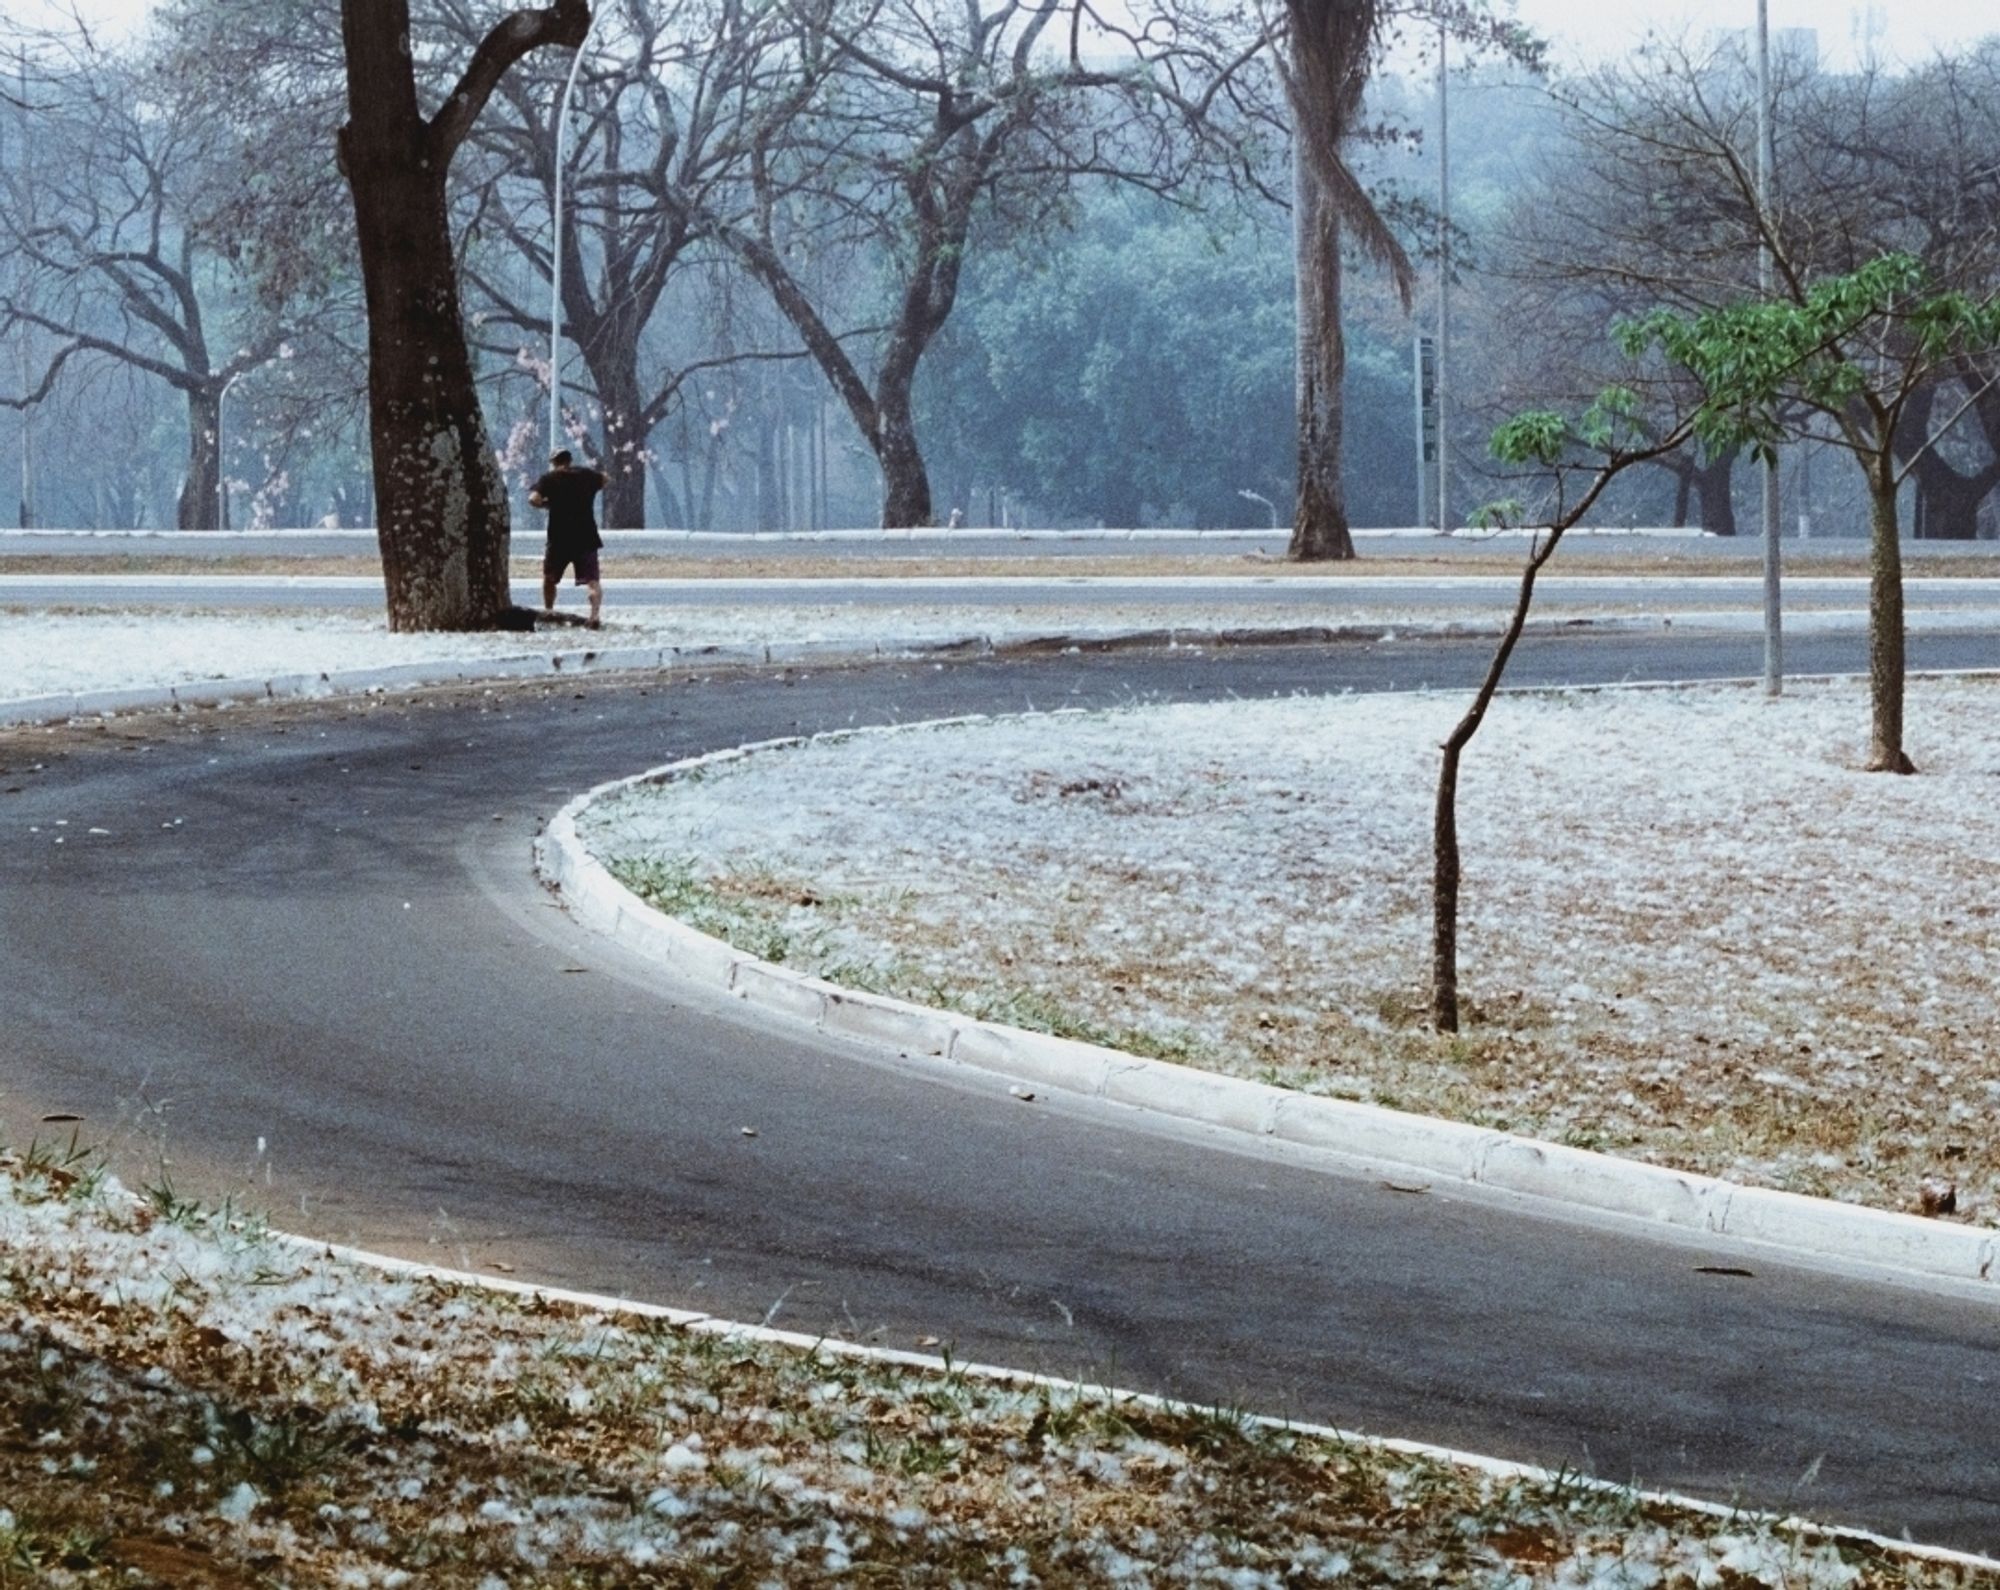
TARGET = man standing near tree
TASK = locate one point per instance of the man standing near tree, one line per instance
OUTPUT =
(568, 493)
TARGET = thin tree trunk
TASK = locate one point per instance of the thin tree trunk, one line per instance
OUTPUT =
(1319, 521)
(1444, 890)
(1683, 490)
(1714, 483)
(1885, 623)
(1444, 815)
(906, 483)
(198, 508)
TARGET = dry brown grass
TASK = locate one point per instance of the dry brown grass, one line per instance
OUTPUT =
(187, 1404)
(1789, 985)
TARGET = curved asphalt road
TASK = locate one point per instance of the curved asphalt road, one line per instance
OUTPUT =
(314, 929)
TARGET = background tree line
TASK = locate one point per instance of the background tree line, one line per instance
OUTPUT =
(830, 264)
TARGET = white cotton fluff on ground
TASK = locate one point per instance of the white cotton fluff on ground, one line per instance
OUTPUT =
(1693, 928)
(49, 653)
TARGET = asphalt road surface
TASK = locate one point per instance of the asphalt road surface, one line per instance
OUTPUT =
(1301, 599)
(865, 545)
(308, 964)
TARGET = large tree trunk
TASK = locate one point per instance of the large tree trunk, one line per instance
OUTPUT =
(1950, 501)
(1713, 483)
(1319, 521)
(441, 508)
(199, 508)
(906, 484)
(1885, 623)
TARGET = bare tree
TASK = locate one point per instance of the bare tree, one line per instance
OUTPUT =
(928, 127)
(658, 161)
(441, 506)
(106, 257)
(1918, 268)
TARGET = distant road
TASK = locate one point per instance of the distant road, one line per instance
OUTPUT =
(301, 953)
(866, 544)
(1306, 598)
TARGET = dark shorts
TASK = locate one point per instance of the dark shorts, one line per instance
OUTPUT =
(556, 559)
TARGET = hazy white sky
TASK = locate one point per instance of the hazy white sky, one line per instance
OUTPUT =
(1908, 29)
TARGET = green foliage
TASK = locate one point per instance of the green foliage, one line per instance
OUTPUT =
(1751, 357)
(1499, 515)
(1141, 371)
(1536, 437)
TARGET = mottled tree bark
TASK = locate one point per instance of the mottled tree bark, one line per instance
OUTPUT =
(199, 508)
(1885, 623)
(1714, 483)
(441, 515)
(1319, 519)
(616, 376)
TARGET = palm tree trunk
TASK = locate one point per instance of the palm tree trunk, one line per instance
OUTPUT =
(1319, 521)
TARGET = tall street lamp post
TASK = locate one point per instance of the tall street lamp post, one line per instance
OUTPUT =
(556, 233)
(1774, 634)
(1444, 290)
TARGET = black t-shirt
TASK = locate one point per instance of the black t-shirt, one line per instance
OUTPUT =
(569, 494)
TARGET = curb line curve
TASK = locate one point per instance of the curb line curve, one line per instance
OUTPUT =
(732, 1330)
(1685, 1202)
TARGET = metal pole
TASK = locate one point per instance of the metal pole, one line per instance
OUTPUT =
(556, 235)
(24, 155)
(1444, 292)
(1767, 160)
(27, 441)
(1418, 394)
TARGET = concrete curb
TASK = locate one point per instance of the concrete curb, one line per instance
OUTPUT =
(732, 1330)
(1424, 1146)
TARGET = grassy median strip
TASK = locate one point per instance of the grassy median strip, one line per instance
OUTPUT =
(1695, 932)
(194, 1403)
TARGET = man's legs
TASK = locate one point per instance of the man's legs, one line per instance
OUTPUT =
(548, 594)
(588, 577)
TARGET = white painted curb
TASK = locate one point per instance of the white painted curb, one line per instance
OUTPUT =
(1426, 1146)
(732, 1330)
